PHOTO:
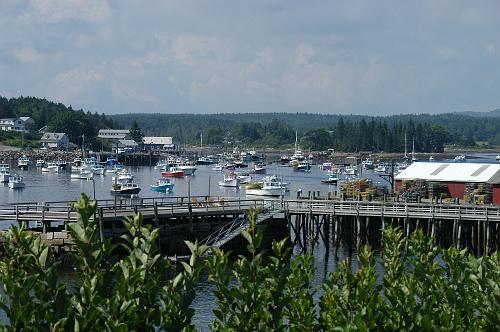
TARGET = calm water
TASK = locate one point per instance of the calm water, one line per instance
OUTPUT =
(42, 187)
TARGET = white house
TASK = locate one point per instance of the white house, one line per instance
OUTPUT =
(55, 141)
(158, 143)
(16, 124)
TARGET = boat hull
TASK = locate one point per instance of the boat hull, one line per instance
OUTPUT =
(178, 174)
(162, 188)
(127, 191)
(235, 183)
(266, 192)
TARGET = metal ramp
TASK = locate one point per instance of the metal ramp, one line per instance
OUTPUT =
(231, 230)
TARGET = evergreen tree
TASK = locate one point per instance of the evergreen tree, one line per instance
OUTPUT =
(136, 132)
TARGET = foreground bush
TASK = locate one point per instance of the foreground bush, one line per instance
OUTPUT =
(422, 288)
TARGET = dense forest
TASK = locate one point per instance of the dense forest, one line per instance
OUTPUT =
(57, 117)
(315, 131)
(320, 131)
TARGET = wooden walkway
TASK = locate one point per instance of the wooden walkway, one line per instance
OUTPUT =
(205, 206)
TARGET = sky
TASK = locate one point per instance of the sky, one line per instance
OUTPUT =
(213, 56)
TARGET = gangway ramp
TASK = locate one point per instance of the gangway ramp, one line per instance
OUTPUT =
(233, 229)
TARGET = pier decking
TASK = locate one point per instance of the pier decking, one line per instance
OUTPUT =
(223, 218)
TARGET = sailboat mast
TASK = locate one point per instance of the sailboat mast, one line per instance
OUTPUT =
(296, 137)
(406, 154)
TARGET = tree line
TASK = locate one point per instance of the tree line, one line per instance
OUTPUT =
(57, 117)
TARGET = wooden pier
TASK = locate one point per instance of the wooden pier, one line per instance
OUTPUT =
(476, 227)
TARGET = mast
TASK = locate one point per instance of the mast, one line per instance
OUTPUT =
(296, 138)
(201, 140)
(406, 154)
(413, 150)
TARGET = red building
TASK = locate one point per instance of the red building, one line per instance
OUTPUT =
(462, 180)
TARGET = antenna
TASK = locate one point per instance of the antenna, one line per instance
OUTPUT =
(406, 154)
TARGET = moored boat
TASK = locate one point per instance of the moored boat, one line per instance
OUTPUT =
(83, 174)
(50, 168)
(23, 162)
(173, 172)
(40, 163)
(187, 169)
(162, 185)
(16, 182)
(259, 169)
(266, 188)
(332, 178)
(4, 173)
(204, 161)
(230, 180)
(125, 188)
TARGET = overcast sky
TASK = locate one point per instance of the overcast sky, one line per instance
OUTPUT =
(207, 56)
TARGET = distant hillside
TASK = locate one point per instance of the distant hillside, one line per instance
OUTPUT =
(58, 117)
(491, 114)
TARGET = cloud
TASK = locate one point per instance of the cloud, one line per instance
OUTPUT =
(73, 84)
(27, 55)
(191, 49)
(125, 91)
(55, 11)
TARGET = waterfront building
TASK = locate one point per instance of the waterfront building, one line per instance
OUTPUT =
(470, 182)
(158, 144)
(20, 124)
(55, 141)
(113, 135)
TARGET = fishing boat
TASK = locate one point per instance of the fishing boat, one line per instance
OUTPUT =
(350, 171)
(23, 162)
(162, 185)
(326, 166)
(218, 168)
(97, 169)
(83, 174)
(332, 178)
(125, 188)
(460, 159)
(302, 166)
(204, 161)
(16, 182)
(173, 172)
(4, 173)
(431, 159)
(40, 163)
(368, 164)
(266, 188)
(240, 164)
(497, 158)
(230, 180)
(381, 168)
(50, 168)
(244, 177)
(259, 169)
(276, 181)
(123, 175)
(61, 163)
(284, 160)
(187, 169)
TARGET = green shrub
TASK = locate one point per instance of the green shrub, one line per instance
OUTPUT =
(422, 287)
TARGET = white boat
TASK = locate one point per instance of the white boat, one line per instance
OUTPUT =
(188, 169)
(244, 177)
(460, 159)
(303, 166)
(333, 178)
(497, 158)
(123, 175)
(276, 181)
(266, 189)
(230, 180)
(204, 161)
(431, 159)
(82, 175)
(40, 163)
(16, 182)
(350, 170)
(97, 169)
(4, 173)
(326, 166)
(50, 168)
(368, 164)
(381, 168)
(218, 168)
(23, 162)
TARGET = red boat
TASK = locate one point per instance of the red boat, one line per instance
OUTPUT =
(173, 172)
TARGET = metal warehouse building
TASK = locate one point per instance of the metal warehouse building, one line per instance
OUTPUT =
(471, 182)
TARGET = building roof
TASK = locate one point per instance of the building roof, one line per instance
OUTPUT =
(128, 142)
(113, 133)
(452, 172)
(157, 140)
(26, 118)
(52, 137)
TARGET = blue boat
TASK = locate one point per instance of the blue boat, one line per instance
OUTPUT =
(162, 185)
